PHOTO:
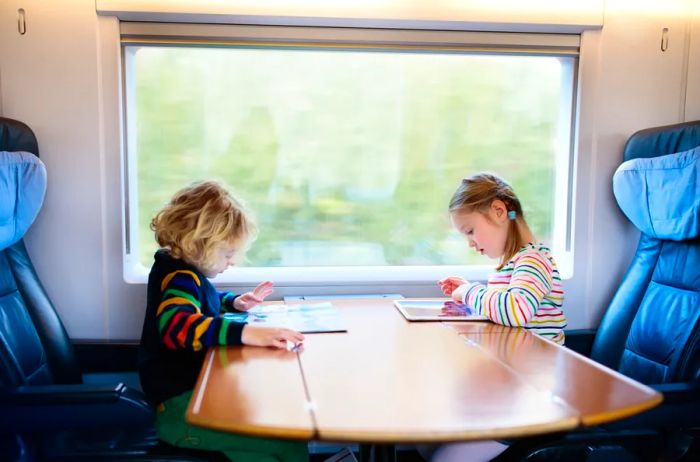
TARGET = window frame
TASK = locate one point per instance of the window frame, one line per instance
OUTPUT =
(220, 35)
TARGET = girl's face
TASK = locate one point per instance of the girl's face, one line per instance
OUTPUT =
(486, 231)
(224, 257)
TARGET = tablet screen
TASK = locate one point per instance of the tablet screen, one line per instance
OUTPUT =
(436, 310)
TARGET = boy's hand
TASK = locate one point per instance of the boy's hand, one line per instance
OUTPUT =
(270, 336)
(450, 283)
(248, 300)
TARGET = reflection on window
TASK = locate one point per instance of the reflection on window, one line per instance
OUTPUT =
(346, 157)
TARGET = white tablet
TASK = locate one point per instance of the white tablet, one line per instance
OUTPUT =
(436, 310)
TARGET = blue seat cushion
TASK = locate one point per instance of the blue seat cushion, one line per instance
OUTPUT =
(22, 188)
(661, 195)
(665, 322)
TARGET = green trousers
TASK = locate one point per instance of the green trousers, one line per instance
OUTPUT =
(173, 429)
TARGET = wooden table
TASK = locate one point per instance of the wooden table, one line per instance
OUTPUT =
(389, 381)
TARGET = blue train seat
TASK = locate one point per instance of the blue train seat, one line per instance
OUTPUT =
(46, 411)
(651, 329)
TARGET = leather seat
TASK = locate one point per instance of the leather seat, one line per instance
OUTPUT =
(651, 329)
(46, 411)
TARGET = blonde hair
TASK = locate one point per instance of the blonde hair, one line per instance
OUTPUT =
(477, 193)
(199, 220)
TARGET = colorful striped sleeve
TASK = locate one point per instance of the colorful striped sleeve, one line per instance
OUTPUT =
(227, 299)
(181, 323)
(516, 303)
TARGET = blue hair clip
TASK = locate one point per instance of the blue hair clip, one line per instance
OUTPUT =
(511, 214)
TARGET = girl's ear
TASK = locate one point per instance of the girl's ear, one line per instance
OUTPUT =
(499, 209)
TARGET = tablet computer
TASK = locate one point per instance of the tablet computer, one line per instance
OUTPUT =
(436, 310)
(307, 318)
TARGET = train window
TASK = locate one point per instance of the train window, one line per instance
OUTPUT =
(347, 149)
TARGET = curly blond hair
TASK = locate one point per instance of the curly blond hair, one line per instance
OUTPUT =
(199, 220)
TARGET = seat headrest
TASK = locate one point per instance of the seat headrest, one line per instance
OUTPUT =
(661, 195)
(22, 188)
(17, 136)
(659, 141)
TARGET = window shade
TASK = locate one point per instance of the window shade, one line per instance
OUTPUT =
(140, 33)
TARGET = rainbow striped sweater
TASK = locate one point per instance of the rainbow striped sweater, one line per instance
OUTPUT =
(526, 292)
(182, 319)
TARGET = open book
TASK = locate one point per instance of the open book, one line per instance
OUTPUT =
(436, 310)
(307, 318)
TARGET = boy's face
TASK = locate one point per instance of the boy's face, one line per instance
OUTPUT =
(486, 232)
(224, 257)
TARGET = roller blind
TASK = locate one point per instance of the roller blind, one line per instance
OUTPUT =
(143, 33)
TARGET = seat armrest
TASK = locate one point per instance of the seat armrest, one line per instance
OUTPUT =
(62, 407)
(61, 395)
(582, 445)
(580, 340)
(679, 393)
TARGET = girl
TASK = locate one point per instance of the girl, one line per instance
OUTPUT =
(526, 289)
(200, 233)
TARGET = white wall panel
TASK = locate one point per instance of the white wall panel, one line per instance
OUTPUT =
(512, 15)
(628, 84)
(49, 81)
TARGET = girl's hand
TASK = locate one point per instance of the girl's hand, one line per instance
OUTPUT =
(270, 336)
(250, 299)
(459, 293)
(450, 283)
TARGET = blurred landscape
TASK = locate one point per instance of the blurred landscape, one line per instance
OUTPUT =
(345, 157)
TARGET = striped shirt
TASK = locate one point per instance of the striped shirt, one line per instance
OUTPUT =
(183, 318)
(181, 322)
(526, 292)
